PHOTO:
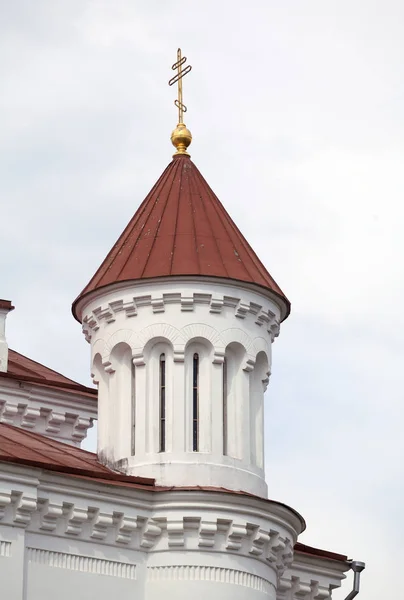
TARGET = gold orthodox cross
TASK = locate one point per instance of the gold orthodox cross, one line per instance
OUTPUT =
(181, 60)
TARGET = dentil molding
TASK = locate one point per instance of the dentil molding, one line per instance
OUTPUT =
(54, 413)
(186, 302)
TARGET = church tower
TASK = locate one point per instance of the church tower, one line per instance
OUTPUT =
(181, 317)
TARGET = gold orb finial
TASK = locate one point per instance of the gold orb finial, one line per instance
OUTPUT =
(181, 136)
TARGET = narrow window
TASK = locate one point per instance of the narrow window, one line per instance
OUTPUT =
(162, 402)
(133, 399)
(225, 407)
(195, 400)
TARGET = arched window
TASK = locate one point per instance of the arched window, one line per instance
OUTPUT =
(198, 396)
(162, 402)
(158, 406)
(224, 406)
(195, 402)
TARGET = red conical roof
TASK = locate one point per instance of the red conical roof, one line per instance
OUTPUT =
(181, 228)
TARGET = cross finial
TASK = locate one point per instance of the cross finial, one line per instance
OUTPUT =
(181, 60)
(181, 136)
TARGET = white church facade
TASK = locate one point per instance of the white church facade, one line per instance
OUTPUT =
(180, 319)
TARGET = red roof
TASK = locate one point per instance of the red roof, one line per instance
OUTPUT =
(23, 447)
(28, 448)
(22, 368)
(304, 549)
(181, 228)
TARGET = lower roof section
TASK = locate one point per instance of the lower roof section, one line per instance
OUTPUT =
(22, 368)
(21, 447)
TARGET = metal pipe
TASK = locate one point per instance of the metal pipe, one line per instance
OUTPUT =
(357, 567)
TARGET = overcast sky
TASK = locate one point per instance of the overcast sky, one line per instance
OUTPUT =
(297, 113)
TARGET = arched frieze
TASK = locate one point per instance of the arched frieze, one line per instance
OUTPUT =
(113, 361)
(201, 331)
(122, 336)
(240, 338)
(159, 331)
(148, 347)
(99, 347)
(260, 344)
(153, 334)
(234, 334)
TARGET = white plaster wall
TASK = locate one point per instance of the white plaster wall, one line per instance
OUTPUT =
(65, 538)
(212, 318)
(60, 568)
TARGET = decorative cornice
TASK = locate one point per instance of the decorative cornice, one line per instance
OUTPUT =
(191, 522)
(172, 281)
(16, 508)
(310, 578)
(296, 588)
(59, 414)
(46, 421)
(184, 530)
(263, 316)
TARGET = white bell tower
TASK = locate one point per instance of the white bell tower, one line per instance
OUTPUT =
(182, 366)
(181, 317)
